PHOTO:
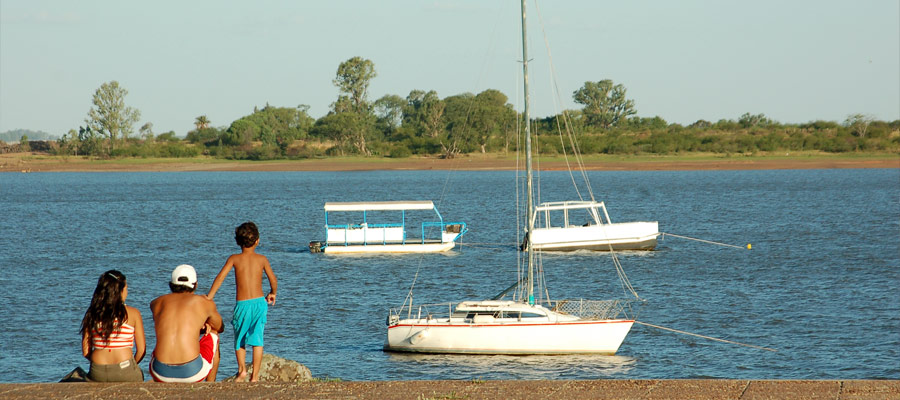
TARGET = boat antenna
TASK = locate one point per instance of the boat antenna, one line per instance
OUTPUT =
(529, 209)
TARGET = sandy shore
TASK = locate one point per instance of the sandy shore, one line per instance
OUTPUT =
(38, 163)
(469, 389)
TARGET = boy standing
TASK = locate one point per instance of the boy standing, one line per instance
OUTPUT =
(249, 318)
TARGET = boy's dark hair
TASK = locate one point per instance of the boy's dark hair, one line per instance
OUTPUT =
(246, 235)
(181, 288)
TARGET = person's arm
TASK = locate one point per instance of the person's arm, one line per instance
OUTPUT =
(220, 278)
(86, 346)
(140, 343)
(273, 282)
(214, 320)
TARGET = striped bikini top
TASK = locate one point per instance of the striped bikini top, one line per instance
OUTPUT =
(119, 339)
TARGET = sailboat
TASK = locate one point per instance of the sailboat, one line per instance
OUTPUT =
(520, 326)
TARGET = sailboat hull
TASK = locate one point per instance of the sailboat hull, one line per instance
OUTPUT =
(618, 236)
(579, 337)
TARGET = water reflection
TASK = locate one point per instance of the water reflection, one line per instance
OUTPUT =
(458, 366)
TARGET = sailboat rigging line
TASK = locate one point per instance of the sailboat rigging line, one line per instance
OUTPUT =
(576, 154)
(409, 294)
(528, 160)
(505, 291)
(554, 88)
(519, 259)
(664, 234)
(706, 337)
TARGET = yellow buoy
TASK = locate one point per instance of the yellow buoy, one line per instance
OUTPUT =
(749, 247)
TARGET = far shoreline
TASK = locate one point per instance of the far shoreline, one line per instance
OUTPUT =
(28, 162)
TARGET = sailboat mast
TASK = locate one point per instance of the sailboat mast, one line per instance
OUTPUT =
(528, 174)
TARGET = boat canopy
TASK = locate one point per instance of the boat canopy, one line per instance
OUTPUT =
(379, 206)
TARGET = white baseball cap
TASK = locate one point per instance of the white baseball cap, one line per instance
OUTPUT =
(184, 275)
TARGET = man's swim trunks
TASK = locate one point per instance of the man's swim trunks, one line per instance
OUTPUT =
(249, 321)
(191, 371)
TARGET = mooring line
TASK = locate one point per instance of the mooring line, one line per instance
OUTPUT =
(664, 234)
(706, 337)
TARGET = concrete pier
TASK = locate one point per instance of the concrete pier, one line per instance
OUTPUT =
(468, 389)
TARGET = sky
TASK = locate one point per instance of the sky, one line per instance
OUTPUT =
(793, 60)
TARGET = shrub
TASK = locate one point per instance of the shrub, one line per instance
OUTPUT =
(400, 151)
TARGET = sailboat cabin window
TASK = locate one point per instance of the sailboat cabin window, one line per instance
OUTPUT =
(504, 314)
(565, 218)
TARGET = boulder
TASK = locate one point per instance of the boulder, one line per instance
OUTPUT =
(277, 369)
(77, 375)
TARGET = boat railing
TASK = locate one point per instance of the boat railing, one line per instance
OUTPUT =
(453, 227)
(380, 235)
(583, 309)
(592, 309)
(420, 311)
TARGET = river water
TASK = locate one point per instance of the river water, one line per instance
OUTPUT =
(820, 284)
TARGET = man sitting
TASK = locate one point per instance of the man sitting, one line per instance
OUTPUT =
(179, 317)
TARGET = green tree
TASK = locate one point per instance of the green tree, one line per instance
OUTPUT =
(389, 110)
(859, 124)
(424, 112)
(491, 117)
(23, 143)
(459, 130)
(146, 132)
(655, 123)
(207, 136)
(352, 79)
(168, 137)
(270, 125)
(68, 142)
(604, 103)
(241, 132)
(338, 127)
(88, 141)
(202, 122)
(750, 120)
(701, 124)
(110, 116)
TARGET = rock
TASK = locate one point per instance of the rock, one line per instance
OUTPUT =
(77, 375)
(277, 369)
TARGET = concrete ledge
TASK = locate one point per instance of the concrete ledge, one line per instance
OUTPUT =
(474, 389)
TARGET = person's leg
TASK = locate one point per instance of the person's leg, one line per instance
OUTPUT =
(257, 363)
(255, 335)
(215, 365)
(241, 355)
(240, 321)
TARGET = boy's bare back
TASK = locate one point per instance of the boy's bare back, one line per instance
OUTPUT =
(248, 268)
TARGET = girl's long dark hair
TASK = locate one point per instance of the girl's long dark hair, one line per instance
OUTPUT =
(107, 311)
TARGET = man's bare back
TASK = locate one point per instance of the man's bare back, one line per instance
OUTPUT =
(179, 319)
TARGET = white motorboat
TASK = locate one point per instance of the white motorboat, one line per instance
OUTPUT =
(577, 225)
(363, 236)
(524, 325)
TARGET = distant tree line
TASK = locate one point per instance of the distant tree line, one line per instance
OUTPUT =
(423, 123)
